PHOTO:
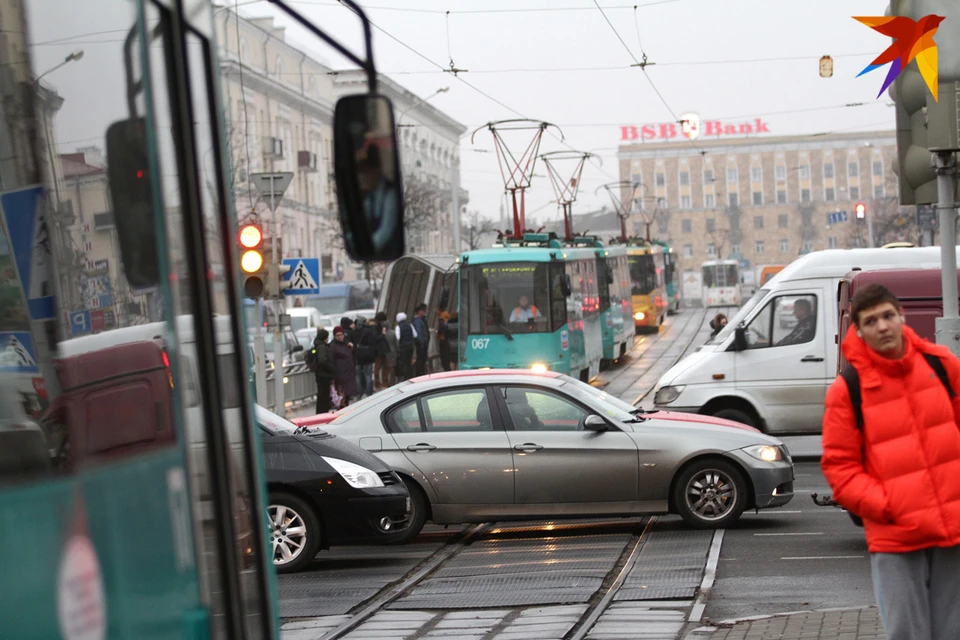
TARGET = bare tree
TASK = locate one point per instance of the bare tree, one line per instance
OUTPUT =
(475, 229)
(420, 204)
(890, 221)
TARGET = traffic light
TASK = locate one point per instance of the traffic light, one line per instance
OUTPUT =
(861, 210)
(252, 264)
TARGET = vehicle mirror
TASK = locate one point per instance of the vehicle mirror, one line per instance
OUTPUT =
(369, 187)
(595, 423)
(298, 347)
(131, 195)
(565, 287)
(740, 339)
(444, 297)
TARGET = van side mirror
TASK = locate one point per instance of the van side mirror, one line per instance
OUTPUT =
(369, 186)
(740, 339)
(131, 195)
(595, 423)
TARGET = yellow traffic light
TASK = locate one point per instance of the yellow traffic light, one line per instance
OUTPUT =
(250, 236)
(251, 261)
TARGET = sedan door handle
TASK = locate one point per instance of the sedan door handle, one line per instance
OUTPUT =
(811, 359)
(421, 446)
(527, 446)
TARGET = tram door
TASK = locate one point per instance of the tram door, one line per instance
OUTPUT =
(130, 498)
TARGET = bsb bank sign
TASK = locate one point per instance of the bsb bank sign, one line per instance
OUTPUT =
(691, 127)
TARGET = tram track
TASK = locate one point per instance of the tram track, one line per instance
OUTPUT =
(673, 343)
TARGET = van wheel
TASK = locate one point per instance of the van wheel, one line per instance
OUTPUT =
(295, 533)
(736, 415)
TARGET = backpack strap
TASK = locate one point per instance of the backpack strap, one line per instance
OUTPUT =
(852, 378)
(937, 365)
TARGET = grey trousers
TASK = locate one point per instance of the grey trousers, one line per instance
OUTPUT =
(918, 593)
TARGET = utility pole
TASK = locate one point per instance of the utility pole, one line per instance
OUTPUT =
(948, 326)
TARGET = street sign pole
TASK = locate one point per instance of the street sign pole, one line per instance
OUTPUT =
(259, 356)
(948, 327)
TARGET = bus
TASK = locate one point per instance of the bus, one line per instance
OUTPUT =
(616, 305)
(531, 303)
(721, 283)
(130, 465)
(647, 286)
(671, 277)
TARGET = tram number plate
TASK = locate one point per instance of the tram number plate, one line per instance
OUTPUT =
(480, 343)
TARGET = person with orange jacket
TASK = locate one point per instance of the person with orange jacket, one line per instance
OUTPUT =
(900, 469)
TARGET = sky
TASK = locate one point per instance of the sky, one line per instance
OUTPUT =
(562, 62)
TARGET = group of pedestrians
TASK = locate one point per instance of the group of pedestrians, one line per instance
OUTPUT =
(366, 356)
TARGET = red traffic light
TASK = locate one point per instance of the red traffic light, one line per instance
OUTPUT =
(861, 210)
(250, 236)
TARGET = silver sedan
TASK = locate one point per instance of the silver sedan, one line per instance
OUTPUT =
(478, 446)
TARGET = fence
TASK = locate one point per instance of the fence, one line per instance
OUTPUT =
(299, 388)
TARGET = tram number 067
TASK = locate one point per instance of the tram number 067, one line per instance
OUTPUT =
(480, 343)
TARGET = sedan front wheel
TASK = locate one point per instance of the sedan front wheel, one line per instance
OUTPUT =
(294, 532)
(710, 494)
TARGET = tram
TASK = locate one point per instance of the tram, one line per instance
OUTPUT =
(531, 302)
(130, 465)
(671, 277)
(647, 286)
(616, 306)
(721, 283)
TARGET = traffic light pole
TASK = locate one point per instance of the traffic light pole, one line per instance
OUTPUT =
(279, 349)
(260, 356)
(948, 327)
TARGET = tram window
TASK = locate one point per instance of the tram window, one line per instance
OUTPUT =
(558, 299)
(514, 296)
(603, 281)
(643, 275)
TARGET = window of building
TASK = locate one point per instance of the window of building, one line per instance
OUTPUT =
(687, 226)
(805, 172)
(707, 176)
(688, 251)
(804, 195)
(878, 167)
(854, 193)
(711, 225)
(782, 221)
(684, 178)
(828, 170)
(781, 196)
(756, 174)
(758, 222)
(685, 202)
(832, 242)
(757, 197)
(808, 246)
(637, 178)
(709, 201)
(784, 246)
(733, 199)
(712, 250)
(661, 179)
(853, 169)
(828, 194)
(781, 172)
(735, 250)
(878, 191)
(759, 247)
(732, 175)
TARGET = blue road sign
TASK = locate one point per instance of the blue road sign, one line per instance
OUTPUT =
(837, 217)
(303, 277)
(80, 322)
(30, 241)
(17, 353)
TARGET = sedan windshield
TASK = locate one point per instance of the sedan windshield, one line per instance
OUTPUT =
(611, 407)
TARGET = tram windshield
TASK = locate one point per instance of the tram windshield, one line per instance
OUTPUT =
(515, 297)
(643, 274)
(720, 275)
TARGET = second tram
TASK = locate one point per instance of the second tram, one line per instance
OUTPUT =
(647, 285)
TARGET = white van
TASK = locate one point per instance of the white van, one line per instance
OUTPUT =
(771, 365)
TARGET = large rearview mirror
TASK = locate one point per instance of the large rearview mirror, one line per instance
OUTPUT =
(566, 287)
(369, 186)
(740, 339)
(128, 172)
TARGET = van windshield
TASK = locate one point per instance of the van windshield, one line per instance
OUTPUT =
(740, 316)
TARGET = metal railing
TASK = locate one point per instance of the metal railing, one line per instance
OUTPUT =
(299, 388)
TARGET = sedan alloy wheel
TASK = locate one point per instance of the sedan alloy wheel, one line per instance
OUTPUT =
(710, 494)
(294, 532)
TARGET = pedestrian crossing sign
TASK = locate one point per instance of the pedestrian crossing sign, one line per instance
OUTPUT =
(303, 277)
(17, 353)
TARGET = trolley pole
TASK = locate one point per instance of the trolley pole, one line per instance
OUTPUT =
(948, 326)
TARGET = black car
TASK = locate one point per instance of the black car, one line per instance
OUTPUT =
(325, 491)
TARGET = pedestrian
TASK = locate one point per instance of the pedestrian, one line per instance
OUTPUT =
(719, 322)
(344, 366)
(348, 329)
(406, 335)
(383, 351)
(891, 453)
(453, 339)
(443, 342)
(422, 338)
(365, 352)
(323, 371)
(390, 360)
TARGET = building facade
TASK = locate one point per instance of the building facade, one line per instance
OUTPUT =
(762, 200)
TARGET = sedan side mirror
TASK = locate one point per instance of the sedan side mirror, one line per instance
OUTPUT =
(595, 423)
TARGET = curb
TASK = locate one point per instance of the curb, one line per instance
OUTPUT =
(712, 626)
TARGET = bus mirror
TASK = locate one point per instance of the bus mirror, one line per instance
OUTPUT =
(369, 187)
(740, 339)
(565, 288)
(128, 175)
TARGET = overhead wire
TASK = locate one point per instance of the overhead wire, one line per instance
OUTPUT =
(320, 3)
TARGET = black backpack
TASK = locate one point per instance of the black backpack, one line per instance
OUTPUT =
(852, 378)
(311, 359)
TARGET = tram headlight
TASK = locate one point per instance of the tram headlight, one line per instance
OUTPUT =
(539, 367)
(356, 476)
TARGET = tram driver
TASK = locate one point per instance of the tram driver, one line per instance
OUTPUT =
(525, 312)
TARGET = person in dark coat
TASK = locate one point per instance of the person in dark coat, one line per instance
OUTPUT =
(443, 340)
(406, 335)
(365, 353)
(344, 368)
(380, 366)
(324, 371)
(348, 331)
(422, 338)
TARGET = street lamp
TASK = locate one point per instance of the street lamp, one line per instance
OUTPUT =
(76, 55)
(420, 101)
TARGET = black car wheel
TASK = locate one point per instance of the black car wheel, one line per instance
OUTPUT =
(416, 517)
(294, 532)
(710, 494)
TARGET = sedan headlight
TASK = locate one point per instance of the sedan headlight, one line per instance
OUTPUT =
(356, 476)
(666, 395)
(765, 452)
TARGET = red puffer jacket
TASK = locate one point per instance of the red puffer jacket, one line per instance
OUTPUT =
(905, 482)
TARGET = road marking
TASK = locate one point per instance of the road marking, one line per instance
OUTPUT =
(820, 557)
(789, 534)
(709, 574)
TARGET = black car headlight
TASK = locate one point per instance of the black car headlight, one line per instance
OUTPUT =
(356, 476)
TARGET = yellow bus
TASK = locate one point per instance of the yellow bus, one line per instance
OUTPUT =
(648, 286)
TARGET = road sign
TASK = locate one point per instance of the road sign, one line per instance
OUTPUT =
(927, 217)
(272, 186)
(80, 322)
(836, 217)
(303, 276)
(17, 353)
(23, 212)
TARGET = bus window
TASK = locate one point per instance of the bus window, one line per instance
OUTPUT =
(509, 295)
